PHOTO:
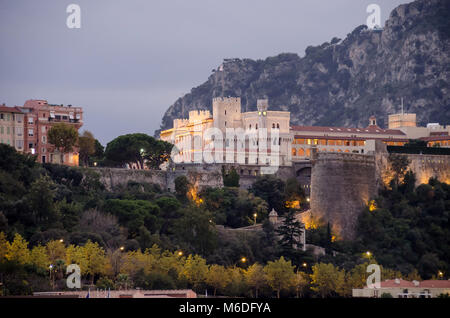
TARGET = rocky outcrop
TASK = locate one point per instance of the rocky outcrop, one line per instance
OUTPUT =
(342, 82)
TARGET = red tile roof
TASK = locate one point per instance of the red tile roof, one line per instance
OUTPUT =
(397, 283)
(348, 138)
(435, 283)
(7, 109)
(435, 138)
(368, 130)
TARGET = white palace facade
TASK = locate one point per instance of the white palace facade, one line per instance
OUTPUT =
(295, 143)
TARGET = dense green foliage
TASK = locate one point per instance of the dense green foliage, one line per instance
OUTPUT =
(410, 228)
(63, 136)
(407, 231)
(137, 149)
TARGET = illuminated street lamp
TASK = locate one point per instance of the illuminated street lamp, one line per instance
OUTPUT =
(61, 240)
(368, 254)
(180, 253)
(304, 265)
(122, 248)
(254, 217)
(243, 260)
(307, 199)
(441, 274)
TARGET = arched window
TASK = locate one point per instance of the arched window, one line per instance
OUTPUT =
(273, 125)
(225, 111)
(278, 125)
(301, 152)
(256, 126)
(250, 126)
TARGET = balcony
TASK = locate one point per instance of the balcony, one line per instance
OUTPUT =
(64, 120)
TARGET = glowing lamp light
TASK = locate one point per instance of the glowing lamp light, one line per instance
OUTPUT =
(180, 253)
(304, 264)
(243, 260)
(368, 253)
(122, 248)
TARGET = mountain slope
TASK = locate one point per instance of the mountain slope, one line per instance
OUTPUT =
(343, 82)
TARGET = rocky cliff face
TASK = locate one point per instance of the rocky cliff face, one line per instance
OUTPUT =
(343, 82)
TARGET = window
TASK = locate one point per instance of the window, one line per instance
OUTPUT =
(30, 132)
(2, 116)
(225, 111)
(225, 124)
(294, 152)
(256, 126)
(19, 144)
(273, 125)
(2, 130)
(278, 125)
(44, 139)
(301, 152)
(8, 130)
(30, 120)
(43, 129)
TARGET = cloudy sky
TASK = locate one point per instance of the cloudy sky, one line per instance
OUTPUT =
(131, 59)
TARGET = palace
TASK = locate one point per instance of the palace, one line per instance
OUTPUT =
(25, 128)
(295, 142)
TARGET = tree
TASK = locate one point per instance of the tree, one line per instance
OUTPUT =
(158, 153)
(63, 137)
(327, 280)
(294, 194)
(95, 260)
(217, 277)
(39, 258)
(41, 202)
(271, 189)
(279, 274)
(181, 187)
(301, 282)
(136, 149)
(230, 178)
(398, 165)
(290, 233)
(18, 250)
(4, 244)
(195, 230)
(55, 250)
(194, 270)
(255, 277)
(415, 143)
(87, 145)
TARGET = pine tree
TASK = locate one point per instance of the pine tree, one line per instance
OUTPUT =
(290, 233)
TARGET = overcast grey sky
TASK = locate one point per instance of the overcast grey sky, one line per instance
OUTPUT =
(132, 59)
